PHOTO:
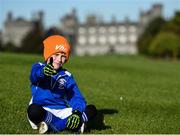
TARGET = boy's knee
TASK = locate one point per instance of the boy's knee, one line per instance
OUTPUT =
(36, 113)
(91, 111)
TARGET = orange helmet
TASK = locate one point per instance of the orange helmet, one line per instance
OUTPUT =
(54, 44)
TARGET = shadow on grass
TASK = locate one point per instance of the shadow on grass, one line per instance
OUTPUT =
(98, 122)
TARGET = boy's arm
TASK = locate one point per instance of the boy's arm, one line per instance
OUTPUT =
(37, 72)
(74, 96)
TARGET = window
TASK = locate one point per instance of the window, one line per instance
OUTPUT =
(123, 39)
(82, 40)
(133, 38)
(122, 29)
(92, 30)
(102, 30)
(102, 39)
(82, 30)
(112, 29)
(132, 29)
(92, 39)
(112, 39)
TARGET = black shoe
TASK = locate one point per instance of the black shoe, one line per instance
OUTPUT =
(90, 111)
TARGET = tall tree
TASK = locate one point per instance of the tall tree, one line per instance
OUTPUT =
(173, 25)
(150, 32)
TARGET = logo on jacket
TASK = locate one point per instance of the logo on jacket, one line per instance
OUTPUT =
(61, 83)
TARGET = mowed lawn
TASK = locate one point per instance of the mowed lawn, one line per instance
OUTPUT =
(132, 94)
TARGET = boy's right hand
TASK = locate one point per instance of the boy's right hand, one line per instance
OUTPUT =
(48, 70)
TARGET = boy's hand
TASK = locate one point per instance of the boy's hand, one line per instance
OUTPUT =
(48, 69)
(74, 120)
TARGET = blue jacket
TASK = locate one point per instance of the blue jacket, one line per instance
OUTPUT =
(56, 92)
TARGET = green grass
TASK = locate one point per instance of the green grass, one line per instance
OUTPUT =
(132, 94)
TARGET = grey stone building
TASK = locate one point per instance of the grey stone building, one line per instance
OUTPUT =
(97, 37)
(16, 29)
(93, 37)
(102, 38)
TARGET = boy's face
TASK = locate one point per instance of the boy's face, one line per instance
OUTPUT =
(58, 60)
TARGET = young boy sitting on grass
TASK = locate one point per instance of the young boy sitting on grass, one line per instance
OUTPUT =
(57, 103)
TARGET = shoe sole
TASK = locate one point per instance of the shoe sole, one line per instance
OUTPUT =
(43, 128)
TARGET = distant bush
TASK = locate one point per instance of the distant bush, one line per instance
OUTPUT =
(165, 44)
(9, 47)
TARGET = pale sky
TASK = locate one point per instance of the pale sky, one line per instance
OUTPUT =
(55, 9)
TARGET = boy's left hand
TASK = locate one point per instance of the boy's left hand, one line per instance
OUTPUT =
(74, 120)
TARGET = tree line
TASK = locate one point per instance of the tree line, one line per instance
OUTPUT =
(161, 38)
